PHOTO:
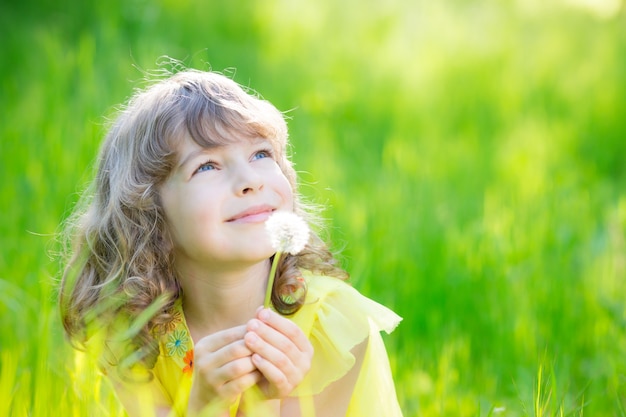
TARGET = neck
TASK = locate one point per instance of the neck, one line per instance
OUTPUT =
(219, 300)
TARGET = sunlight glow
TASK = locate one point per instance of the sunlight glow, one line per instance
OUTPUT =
(602, 8)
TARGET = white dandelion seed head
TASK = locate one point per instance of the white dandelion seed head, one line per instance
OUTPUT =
(288, 232)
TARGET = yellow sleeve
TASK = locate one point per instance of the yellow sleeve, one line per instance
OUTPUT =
(140, 391)
(336, 318)
(143, 399)
(375, 393)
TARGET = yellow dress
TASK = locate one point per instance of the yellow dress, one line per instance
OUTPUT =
(335, 317)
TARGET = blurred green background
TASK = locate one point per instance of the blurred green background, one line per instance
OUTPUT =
(471, 155)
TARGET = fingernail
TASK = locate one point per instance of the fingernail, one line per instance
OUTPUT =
(264, 315)
(253, 325)
(252, 338)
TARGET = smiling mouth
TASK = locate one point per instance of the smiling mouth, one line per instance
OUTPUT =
(252, 215)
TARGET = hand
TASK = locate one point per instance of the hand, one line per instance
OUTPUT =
(281, 352)
(223, 368)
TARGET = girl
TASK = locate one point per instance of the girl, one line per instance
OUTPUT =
(169, 261)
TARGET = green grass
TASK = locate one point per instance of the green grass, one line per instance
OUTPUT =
(471, 156)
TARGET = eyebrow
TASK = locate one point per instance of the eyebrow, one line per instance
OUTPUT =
(191, 156)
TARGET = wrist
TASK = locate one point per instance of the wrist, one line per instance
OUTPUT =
(200, 406)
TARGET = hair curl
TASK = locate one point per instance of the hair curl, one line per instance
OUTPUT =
(120, 255)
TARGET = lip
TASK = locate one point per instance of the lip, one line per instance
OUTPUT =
(252, 214)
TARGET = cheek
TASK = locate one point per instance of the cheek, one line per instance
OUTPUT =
(184, 215)
(286, 178)
(288, 196)
(196, 216)
(194, 233)
(286, 190)
(288, 172)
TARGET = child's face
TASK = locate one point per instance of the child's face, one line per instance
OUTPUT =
(216, 201)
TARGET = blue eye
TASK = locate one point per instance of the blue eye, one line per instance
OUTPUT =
(264, 153)
(207, 166)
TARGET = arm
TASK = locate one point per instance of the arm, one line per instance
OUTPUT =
(335, 399)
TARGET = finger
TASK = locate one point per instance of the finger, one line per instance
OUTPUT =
(223, 356)
(283, 356)
(234, 387)
(236, 369)
(278, 384)
(287, 327)
(282, 342)
(218, 377)
(218, 340)
(270, 344)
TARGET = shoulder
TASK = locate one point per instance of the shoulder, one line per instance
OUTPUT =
(165, 382)
(332, 301)
(174, 366)
(339, 322)
(175, 344)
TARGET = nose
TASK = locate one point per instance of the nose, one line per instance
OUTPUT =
(247, 180)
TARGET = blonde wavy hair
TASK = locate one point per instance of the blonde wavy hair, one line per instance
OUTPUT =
(119, 257)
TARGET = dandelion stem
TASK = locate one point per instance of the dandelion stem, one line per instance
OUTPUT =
(270, 280)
